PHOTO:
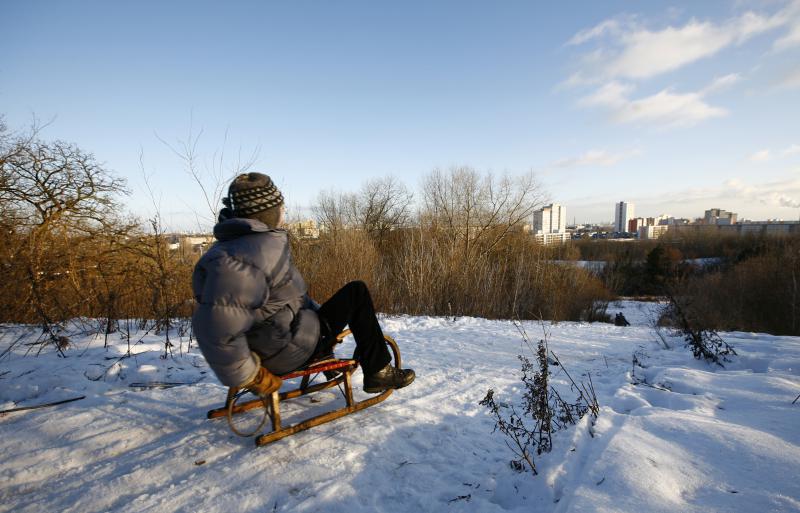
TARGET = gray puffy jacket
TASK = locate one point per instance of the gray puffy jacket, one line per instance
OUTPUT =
(251, 297)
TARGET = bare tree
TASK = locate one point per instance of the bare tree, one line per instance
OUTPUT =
(334, 210)
(8, 214)
(56, 182)
(60, 198)
(475, 210)
(380, 205)
(383, 205)
(211, 173)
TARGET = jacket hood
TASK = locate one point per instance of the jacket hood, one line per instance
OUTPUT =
(235, 227)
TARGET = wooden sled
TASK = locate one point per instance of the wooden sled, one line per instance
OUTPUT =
(271, 404)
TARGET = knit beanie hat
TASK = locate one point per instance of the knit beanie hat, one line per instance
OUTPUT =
(252, 193)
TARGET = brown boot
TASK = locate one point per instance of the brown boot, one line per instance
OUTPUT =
(386, 378)
(264, 383)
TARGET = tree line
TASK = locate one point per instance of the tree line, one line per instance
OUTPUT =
(456, 246)
(70, 252)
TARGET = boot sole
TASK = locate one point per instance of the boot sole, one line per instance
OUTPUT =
(375, 390)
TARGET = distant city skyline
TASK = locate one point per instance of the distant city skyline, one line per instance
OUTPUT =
(679, 107)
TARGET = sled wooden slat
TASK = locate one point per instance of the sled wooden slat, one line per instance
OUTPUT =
(348, 388)
(321, 419)
(275, 411)
(289, 394)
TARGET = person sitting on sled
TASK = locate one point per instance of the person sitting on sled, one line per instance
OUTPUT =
(254, 319)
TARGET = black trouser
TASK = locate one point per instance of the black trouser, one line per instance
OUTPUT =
(352, 306)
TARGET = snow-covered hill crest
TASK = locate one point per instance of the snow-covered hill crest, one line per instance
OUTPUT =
(689, 437)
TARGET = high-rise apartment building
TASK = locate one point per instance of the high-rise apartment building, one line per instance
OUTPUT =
(550, 224)
(623, 213)
(720, 216)
(550, 219)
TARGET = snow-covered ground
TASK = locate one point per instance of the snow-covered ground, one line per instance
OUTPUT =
(699, 439)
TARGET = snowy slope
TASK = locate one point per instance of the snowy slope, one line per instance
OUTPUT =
(701, 439)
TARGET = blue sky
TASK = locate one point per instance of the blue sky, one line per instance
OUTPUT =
(677, 107)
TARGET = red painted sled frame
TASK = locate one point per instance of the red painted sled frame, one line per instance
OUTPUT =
(271, 404)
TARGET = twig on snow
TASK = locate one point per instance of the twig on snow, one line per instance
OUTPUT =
(158, 384)
(36, 407)
(461, 498)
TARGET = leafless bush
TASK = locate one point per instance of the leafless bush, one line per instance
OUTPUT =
(68, 254)
(543, 405)
(334, 259)
(705, 343)
(759, 290)
(415, 272)
(475, 211)
(380, 206)
(59, 200)
(466, 254)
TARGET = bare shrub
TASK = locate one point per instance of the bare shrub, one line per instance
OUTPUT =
(383, 205)
(335, 211)
(380, 206)
(758, 291)
(477, 211)
(542, 404)
(705, 343)
(335, 259)
(59, 200)
(67, 252)
(467, 255)
(165, 278)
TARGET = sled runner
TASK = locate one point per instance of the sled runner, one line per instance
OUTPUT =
(338, 372)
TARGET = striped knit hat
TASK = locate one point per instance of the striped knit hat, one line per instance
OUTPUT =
(252, 193)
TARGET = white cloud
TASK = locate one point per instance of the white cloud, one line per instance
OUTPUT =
(790, 39)
(784, 193)
(786, 201)
(791, 15)
(722, 82)
(640, 53)
(767, 154)
(647, 53)
(612, 95)
(760, 156)
(602, 28)
(790, 81)
(666, 107)
(596, 158)
(670, 108)
(737, 187)
(750, 200)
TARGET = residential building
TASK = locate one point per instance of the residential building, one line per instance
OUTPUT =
(552, 238)
(304, 229)
(653, 231)
(196, 242)
(657, 220)
(550, 224)
(636, 223)
(550, 219)
(623, 213)
(719, 216)
(677, 221)
(755, 228)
